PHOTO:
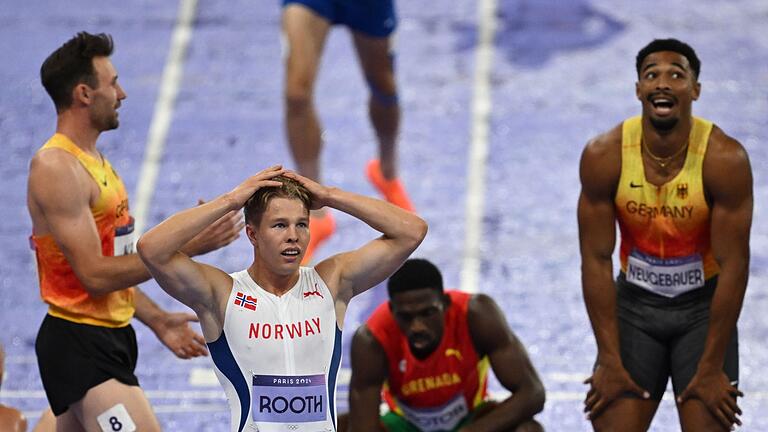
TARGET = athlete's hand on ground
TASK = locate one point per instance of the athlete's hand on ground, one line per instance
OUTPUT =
(174, 332)
(246, 189)
(607, 384)
(217, 235)
(318, 192)
(717, 394)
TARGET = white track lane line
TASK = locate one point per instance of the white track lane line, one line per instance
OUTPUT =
(161, 119)
(478, 150)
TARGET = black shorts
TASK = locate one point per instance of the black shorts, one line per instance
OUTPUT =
(74, 358)
(663, 337)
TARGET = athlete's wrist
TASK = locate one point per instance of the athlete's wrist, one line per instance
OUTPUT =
(609, 360)
(709, 366)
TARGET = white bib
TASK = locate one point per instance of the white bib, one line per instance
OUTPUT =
(668, 277)
(442, 418)
(125, 243)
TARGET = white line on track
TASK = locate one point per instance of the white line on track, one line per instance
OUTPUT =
(478, 150)
(161, 119)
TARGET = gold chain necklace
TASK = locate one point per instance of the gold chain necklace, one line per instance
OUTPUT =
(663, 161)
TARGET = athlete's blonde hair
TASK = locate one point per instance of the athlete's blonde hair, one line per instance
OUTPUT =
(256, 205)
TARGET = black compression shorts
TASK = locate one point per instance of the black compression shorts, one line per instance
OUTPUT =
(74, 358)
(663, 337)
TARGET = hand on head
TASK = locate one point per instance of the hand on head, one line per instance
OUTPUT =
(261, 179)
(318, 192)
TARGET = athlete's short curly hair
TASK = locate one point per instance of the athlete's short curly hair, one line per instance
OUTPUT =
(72, 64)
(256, 205)
(673, 45)
(416, 273)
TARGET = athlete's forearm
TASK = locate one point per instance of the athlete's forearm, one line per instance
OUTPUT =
(724, 313)
(368, 422)
(147, 311)
(390, 220)
(364, 403)
(519, 408)
(106, 274)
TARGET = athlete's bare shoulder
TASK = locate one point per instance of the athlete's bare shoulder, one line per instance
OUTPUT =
(605, 145)
(52, 161)
(600, 166)
(57, 183)
(724, 148)
(53, 166)
(726, 169)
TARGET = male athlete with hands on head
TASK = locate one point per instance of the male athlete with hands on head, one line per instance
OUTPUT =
(274, 329)
(82, 235)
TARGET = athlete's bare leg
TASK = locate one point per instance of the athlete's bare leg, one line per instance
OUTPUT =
(68, 422)
(103, 399)
(694, 416)
(305, 33)
(626, 415)
(376, 61)
(47, 422)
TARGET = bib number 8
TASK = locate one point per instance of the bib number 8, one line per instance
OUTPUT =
(115, 423)
(116, 419)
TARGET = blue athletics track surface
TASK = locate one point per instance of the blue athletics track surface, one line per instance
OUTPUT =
(498, 101)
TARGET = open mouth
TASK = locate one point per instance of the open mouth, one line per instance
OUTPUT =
(662, 105)
(420, 342)
(291, 253)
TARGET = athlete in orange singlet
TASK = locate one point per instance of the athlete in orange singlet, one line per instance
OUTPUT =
(82, 234)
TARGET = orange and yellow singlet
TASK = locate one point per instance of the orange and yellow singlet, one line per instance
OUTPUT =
(59, 286)
(665, 230)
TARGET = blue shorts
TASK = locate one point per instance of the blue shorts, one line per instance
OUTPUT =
(375, 18)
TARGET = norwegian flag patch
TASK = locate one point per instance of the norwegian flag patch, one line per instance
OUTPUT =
(245, 301)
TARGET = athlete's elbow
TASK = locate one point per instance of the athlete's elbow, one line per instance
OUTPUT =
(95, 286)
(416, 232)
(144, 248)
(538, 398)
(149, 250)
(534, 395)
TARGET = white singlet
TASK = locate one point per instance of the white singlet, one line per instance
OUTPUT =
(278, 357)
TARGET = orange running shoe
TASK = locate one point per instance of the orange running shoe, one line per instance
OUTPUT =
(393, 190)
(320, 228)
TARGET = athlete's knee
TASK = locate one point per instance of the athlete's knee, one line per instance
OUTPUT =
(383, 92)
(695, 416)
(530, 426)
(298, 98)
